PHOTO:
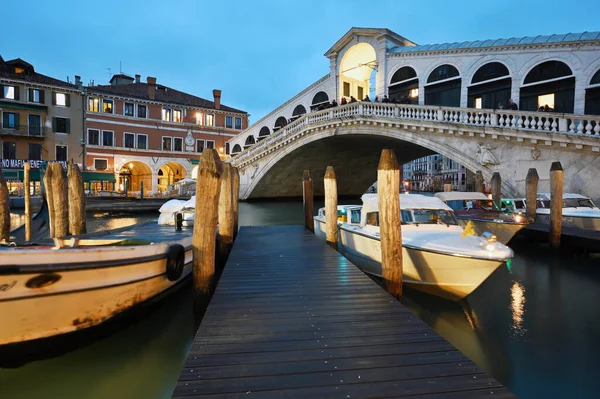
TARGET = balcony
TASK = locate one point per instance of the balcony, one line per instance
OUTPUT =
(32, 131)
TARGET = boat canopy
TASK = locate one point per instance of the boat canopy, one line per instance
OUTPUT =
(565, 196)
(461, 196)
(407, 201)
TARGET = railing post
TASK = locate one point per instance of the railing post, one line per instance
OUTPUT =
(331, 208)
(388, 188)
(496, 184)
(562, 125)
(531, 184)
(307, 200)
(440, 114)
(494, 119)
(4, 209)
(556, 193)
(360, 109)
(27, 198)
(76, 200)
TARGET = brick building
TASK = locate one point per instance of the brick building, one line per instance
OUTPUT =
(144, 134)
(41, 119)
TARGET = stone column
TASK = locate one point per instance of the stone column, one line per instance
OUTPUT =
(579, 105)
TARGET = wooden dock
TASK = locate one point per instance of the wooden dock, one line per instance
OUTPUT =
(292, 318)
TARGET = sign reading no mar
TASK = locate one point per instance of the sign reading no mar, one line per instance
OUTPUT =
(19, 163)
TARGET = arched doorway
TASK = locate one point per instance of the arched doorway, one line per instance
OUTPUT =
(592, 95)
(443, 87)
(170, 173)
(131, 176)
(404, 86)
(321, 98)
(490, 87)
(357, 70)
(550, 83)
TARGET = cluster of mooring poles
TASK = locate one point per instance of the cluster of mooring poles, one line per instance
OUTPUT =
(65, 198)
(217, 194)
(388, 188)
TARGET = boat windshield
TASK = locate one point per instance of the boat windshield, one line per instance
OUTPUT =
(428, 216)
(577, 203)
(460, 205)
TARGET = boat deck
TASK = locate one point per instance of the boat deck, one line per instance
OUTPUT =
(292, 318)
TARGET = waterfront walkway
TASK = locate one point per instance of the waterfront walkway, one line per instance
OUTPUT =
(292, 318)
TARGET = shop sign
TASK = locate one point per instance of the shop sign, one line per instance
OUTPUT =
(19, 163)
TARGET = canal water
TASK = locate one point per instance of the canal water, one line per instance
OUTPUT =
(533, 325)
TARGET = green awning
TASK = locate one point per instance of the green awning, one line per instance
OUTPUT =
(31, 107)
(195, 161)
(34, 175)
(10, 174)
(99, 176)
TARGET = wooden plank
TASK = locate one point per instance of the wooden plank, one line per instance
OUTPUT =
(291, 318)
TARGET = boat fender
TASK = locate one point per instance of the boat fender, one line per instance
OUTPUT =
(175, 261)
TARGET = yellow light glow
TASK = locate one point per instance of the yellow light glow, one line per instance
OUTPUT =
(478, 103)
(221, 149)
(130, 165)
(546, 99)
(354, 63)
(517, 294)
(414, 93)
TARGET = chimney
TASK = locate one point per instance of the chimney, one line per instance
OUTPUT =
(217, 96)
(151, 87)
(137, 78)
(78, 82)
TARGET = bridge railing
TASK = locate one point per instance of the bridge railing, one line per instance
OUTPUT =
(549, 122)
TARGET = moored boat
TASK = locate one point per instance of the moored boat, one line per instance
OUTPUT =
(438, 257)
(483, 214)
(345, 214)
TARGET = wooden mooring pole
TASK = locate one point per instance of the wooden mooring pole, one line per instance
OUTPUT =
(331, 227)
(496, 184)
(556, 192)
(27, 198)
(236, 202)
(388, 187)
(479, 186)
(57, 197)
(307, 200)
(4, 209)
(76, 200)
(447, 187)
(208, 188)
(226, 215)
(531, 184)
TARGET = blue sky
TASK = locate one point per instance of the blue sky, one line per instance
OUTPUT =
(259, 53)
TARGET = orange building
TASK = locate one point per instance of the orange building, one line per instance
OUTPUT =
(148, 136)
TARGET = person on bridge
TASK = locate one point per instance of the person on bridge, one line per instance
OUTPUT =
(385, 99)
(343, 102)
(367, 98)
(352, 99)
(334, 103)
(512, 105)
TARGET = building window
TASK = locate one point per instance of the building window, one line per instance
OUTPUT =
(61, 125)
(61, 153)
(210, 144)
(100, 164)
(166, 143)
(141, 111)
(35, 152)
(478, 103)
(36, 96)
(360, 93)
(238, 123)
(176, 115)
(93, 104)
(93, 137)
(35, 125)
(9, 92)
(128, 140)
(199, 145)
(60, 99)
(107, 106)
(210, 120)
(346, 89)
(107, 138)
(229, 122)
(198, 118)
(10, 120)
(167, 114)
(178, 144)
(413, 93)
(546, 99)
(9, 150)
(142, 141)
(128, 109)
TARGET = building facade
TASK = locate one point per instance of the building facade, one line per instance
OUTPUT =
(430, 173)
(147, 136)
(42, 120)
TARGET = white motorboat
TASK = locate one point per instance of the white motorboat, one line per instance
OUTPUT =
(345, 214)
(578, 211)
(51, 291)
(484, 215)
(438, 257)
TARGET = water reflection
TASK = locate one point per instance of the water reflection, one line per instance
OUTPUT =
(517, 294)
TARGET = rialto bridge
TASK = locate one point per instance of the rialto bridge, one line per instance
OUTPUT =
(450, 99)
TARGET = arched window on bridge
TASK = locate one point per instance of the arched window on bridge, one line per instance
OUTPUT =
(319, 98)
(490, 87)
(592, 95)
(550, 83)
(443, 87)
(298, 112)
(263, 133)
(404, 86)
(236, 149)
(249, 141)
(279, 123)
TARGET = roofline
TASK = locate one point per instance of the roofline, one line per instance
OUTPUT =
(375, 32)
(49, 85)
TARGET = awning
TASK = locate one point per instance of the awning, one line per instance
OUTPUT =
(99, 176)
(12, 174)
(31, 107)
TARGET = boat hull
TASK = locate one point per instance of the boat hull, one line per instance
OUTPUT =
(570, 219)
(504, 232)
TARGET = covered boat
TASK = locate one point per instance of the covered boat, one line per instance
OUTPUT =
(345, 214)
(484, 215)
(438, 257)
